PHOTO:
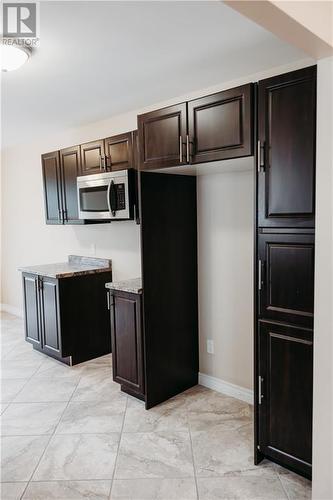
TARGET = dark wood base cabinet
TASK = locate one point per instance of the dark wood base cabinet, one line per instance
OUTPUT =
(285, 395)
(67, 318)
(127, 342)
(155, 334)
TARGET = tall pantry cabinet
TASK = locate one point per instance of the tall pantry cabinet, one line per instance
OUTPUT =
(285, 268)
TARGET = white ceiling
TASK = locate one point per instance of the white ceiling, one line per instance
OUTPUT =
(98, 59)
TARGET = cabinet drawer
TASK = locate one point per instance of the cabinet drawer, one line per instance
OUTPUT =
(286, 275)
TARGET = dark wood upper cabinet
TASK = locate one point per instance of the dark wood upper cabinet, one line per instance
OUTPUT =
(70, 161)
(162, 137)
(220, 125)
(287, 134)
(285, 407)
(127, 341)
(52, 187)
(93, 157)
(286, 264)
(119, 152)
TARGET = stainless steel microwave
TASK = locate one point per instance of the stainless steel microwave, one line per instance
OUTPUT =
(108, 195)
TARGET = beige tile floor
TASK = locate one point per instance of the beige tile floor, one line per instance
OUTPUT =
(69, 433)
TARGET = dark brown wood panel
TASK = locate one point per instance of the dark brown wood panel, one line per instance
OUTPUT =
(221, 125)
(51, 335)
(52, 188)
(162, 136)
(70, 161)
(127, 347)
(84, 317)
(119, 151)
(287, 278)
(169, 267)
(287, 133)
(93, 157)
(31, 308)
(286, 355)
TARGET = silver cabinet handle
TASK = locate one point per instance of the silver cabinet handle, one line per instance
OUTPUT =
(259, 274)
(109, 299)
(260, 396)
(101, 162)
(187, 149)
(180, 149)
(60, 215)
(260, 158)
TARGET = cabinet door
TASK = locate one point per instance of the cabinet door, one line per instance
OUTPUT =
(50, 317)
(52, 188)
(287, 133)
(127, 352)
(286, 263)
(92, 157)
(31, 308)
(221, 125)
(70, 162)
(119, 151)
(285, 401)
(162, 137)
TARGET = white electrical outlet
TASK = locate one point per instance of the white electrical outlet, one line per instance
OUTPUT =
(210, 346)
(93, 249)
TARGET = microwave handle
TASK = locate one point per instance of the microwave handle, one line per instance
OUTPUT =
(112, 203)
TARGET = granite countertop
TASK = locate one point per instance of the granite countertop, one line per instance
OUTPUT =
(132, 286)
(75, 266)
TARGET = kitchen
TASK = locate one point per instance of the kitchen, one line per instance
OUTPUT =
(235, 178)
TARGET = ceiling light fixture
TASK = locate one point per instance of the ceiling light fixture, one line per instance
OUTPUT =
(13, 56)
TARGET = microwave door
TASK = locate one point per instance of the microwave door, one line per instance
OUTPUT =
(93, 200)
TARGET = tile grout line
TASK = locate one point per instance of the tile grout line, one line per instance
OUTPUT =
(115, 462)
(47, 444)
(283, 488)
(27, 380)
(192, 453)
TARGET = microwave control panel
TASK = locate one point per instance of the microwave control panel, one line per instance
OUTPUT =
(121, 205)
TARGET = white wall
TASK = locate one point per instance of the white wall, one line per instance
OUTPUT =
(323, 328)
(225, 248)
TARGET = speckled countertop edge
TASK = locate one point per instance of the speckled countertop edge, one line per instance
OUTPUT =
(131, 286)
(75, 266)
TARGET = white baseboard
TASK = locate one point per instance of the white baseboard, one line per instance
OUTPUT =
(226, 388)
(16, 311)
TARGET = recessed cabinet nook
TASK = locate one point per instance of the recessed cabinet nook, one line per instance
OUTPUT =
(154, 328)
